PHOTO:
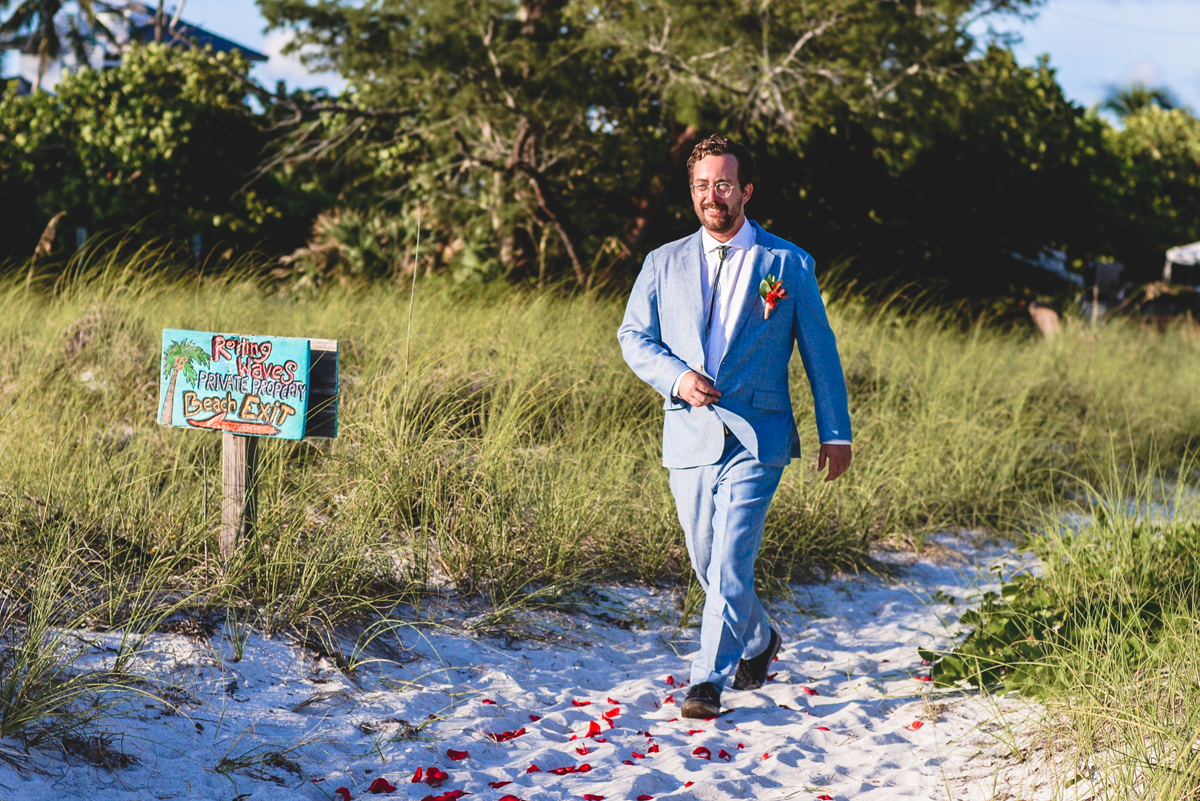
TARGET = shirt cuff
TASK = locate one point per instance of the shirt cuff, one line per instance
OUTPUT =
(836, 442)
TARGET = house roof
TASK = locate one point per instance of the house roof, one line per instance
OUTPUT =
(185, 31)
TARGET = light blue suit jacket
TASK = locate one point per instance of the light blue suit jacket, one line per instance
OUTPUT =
(662, 335)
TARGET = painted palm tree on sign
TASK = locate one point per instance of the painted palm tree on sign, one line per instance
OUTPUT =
(179, 357)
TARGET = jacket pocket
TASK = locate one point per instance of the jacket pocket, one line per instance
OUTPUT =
(773, 401)
(673, 403)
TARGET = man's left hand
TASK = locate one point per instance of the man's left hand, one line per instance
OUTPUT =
(838, 457)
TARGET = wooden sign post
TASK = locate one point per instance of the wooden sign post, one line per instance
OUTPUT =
(247, 387)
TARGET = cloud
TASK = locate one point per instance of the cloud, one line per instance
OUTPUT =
(280, 67)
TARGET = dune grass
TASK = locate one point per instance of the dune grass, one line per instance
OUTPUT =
(519, 461)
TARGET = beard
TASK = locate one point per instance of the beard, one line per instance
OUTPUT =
(723, 222)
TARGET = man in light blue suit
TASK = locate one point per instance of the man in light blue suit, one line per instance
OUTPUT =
(711, 324)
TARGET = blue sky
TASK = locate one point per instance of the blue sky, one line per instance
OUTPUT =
(1093, 44)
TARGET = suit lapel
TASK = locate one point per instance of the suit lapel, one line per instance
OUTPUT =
(761, 260)
(685, 289)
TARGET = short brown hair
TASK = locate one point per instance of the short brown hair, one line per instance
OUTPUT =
(717, 145)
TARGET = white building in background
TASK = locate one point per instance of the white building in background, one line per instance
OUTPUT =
(128, 23)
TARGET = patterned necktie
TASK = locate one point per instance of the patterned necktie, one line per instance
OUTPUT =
(722, 253)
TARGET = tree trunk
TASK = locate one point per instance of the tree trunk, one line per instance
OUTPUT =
(158, 23)
(168, 412)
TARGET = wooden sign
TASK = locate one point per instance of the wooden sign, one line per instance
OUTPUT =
(248, 387)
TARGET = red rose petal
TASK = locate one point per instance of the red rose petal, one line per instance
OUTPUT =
(510, 798)
(636, 755)
(593, 729)
(614, 703)
(627, 762)
(771, 676)
(582, 751)
(785, 706)
(702, 752)
(824, 798)
(456, 755)
(535, 718)
(489, 701)
(767, 755)
(497, 785)
(695, 731)
(671, 680)
(652, 749)
(381, 785)
(670, 699)
(592, 797)
(434, 777)
(741, 746)
(599, 740)
(644, 797)
(581, 703)
(725, 755)
(505, 736)
(921, 678)
(689, 784)
(810, 691)
(344, 793)
(916, 724)
(417, 776)
(776, 659)
(534, 769)
(822, 728)
(318, 781)
(672, 720)
(612, 713)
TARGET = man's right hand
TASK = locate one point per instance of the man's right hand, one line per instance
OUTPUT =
(695, 390)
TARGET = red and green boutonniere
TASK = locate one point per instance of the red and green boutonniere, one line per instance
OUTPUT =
(771, 291)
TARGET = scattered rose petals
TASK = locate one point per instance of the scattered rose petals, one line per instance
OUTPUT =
(671, 680)
(689, 784)
(771, 676)
(670, 699)
(505, 736)
(581, 703)
(702, 752)
(810, 691)
(456, 755)
(417, 776)
(614, 703)
(695, 731)
(725, 755)
(593, 729)
(535, 718)
(612, 713)
(921, 678)
(627, 762)
(498, 785)
(599, 740)
(489, 701)
(435, 776)
(824, 798)
(381, 785)
(611, 725)
(672, 720)
(652, 749)
(582, 751)
(741, 746)
(916, 724)
(636, 755)
(534, 769)
(767, 755)
(584, 768)
(452, 795)
(344, 793)
(592, 797)
(645, 797)
(823, 728)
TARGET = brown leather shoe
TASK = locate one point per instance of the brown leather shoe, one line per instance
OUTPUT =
(752, 673)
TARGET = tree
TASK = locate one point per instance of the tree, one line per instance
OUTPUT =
(38, 21)
(180, 356)
(1126, 100)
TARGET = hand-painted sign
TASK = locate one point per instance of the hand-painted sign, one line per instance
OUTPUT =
(250, 385)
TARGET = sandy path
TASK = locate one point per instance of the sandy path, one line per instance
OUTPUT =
(846, 716)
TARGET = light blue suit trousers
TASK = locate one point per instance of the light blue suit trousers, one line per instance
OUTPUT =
(723, 485)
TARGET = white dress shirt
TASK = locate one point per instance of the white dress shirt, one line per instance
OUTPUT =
(732, 291)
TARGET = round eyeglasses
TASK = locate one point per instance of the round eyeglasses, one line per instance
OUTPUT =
(723, 189)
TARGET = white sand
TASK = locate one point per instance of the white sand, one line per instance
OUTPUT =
(839, 719)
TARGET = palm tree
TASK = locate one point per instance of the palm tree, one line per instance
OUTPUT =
(1136, 97)
(180, 357)
(38, 18)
